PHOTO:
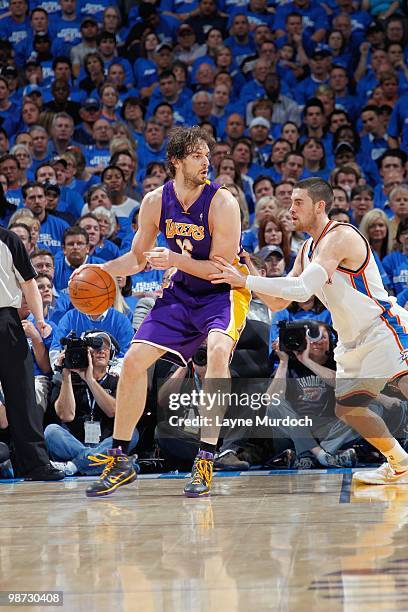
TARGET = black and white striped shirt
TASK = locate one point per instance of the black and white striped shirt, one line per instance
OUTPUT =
(15, 268)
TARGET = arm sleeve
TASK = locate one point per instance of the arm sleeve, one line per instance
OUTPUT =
(297, 289)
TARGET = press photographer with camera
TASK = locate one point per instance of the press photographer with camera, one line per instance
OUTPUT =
(305, 379)
(84, 401)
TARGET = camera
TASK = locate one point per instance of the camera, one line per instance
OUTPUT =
(292, 336)
(200, 356)
(76, 351)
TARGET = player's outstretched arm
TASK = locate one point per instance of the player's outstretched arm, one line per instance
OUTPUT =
(149, 217)
(296, 288)
(234, 277)
(134, 261)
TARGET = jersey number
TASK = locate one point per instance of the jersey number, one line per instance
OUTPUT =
(185, 246)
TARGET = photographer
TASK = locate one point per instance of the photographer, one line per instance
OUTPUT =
(84, 400)
(306, 379)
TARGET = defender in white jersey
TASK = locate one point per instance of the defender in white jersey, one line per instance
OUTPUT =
(336, 264)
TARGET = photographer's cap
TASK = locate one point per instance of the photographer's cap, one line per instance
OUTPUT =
(100, 334)
(270, 249)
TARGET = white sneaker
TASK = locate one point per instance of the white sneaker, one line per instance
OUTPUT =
(68, 467)
(385, 474)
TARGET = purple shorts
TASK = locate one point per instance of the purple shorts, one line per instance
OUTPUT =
(180, 322)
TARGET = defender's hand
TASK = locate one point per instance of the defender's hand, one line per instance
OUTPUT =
(227, 274)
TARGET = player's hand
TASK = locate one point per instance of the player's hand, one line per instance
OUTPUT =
(79, 270)
(160, 258)
(227, 273)
(43, 328)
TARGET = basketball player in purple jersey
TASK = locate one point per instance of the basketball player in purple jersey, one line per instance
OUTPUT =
(200, 220)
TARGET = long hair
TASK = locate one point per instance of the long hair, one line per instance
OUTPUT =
(368, 220)
(120, 304)
(237, 174)
(284, 244)
(183, 141)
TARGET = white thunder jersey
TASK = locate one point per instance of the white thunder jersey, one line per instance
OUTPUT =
(372, 329)
(356, 299)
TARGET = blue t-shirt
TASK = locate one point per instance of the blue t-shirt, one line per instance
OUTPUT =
(249, 239)
(402, 298)
(109, 250)
(112, 321)
(396, 266)
(65, 34)
(398, 124)
(94, 8)
(59, 306)
(306, 89)
(14, 32)
(178, 6)
(51, 233)
(74, 201)
(51, 6)
(240, 51)
(47, 342)
(95, 156)
(15, 196)
(145, 72)
(149, 280)
(147, 155)
(313, 17)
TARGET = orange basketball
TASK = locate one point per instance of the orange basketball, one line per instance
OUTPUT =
(92, 291)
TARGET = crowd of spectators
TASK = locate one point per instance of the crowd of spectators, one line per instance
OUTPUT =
(89, 91)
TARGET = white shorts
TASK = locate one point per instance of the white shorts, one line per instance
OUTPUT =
(379, 355)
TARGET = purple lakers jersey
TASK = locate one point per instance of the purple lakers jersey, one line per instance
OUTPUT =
(188, 233)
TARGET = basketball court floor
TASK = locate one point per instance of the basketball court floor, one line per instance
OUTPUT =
(264, 541)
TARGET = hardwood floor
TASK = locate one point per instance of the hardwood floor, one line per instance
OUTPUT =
(283, 541)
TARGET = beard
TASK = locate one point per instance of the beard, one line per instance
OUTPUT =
(194, 180)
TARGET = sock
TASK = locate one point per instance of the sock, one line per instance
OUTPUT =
(397, 456)
(122, 444)
(208, 448)
(322, 457)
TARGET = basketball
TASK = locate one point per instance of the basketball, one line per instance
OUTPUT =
(92, 291)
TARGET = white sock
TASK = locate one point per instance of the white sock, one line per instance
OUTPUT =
(322, 457)
(397, 456)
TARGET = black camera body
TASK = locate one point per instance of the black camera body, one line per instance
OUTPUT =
(200, 356)
(76, 351)
(292, 336)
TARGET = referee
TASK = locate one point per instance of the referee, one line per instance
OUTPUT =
(17, 275)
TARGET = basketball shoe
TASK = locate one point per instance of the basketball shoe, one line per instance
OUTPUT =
(383, 475)
(199, 484)
(118, 471)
